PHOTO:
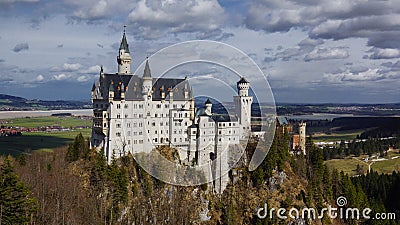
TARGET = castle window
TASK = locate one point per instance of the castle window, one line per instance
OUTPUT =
(129, 133)
(140, 106)
(129, 142)
(118, 116)
(128, 125)
(105, 124)
(118, 134)
(219, 132)
(126, 116)
(153, 124)
(126, 106)
(166, 140)
(155, 132)
(174, 106)
(156, 115)
(186, 115)
(148, 113)
(166, 106)
(161, 123)
(140, 141)
(174, 139)
(158, 106)
(118, 125)
(174, 114)
(140, 132)
(118, 106)
(155, 139)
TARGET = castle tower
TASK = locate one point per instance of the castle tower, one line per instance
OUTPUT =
(243, 106)
(124, 58)
(147, 81)
(302, 137)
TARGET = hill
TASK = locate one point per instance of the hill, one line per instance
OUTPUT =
(14, 103)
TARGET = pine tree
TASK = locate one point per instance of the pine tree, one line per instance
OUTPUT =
(16, 205)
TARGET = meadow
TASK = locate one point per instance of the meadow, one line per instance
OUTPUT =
(349, 164)
(42, 141)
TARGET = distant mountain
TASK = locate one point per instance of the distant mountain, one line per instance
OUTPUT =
(10, 103)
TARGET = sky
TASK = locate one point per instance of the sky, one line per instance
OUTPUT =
(310, 51)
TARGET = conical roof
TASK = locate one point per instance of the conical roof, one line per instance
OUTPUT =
(147, 72)
(124, 44)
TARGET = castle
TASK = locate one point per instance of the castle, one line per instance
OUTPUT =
(136, 113)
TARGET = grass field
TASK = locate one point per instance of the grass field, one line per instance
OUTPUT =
(349, 165)
(67, 121)
(39, 141)
(42, 141)
(348, 135)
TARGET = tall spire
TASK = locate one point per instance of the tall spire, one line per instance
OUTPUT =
(147, 72)
(124, 43)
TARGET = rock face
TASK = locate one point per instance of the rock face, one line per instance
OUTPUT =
(276, 181)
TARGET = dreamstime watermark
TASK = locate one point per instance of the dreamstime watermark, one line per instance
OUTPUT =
(331, 212)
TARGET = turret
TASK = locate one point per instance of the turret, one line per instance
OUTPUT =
(147, 81)
(124, 58)
(208, 105)
(243, 87)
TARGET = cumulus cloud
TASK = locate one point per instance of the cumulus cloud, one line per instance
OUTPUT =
(67, 67)
(39, 78)
(83, 78)
(327, 53)
(387, 53)
(353, 76)
(61, 76)
(21, 47)
(155, 18)
(378, 21)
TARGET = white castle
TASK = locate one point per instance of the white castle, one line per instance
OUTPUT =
(134, 114)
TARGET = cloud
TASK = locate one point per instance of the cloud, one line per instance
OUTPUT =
(21, 47)
(354, 76)
(154, 18)
(327, 53)
(387, 53)
(60, 46)
(67, 67)
(83, 78)
(39, 78)
(61, 76)
(377, 21)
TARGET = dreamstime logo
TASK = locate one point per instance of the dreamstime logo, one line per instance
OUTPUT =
(212, 69)
(331, 212)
